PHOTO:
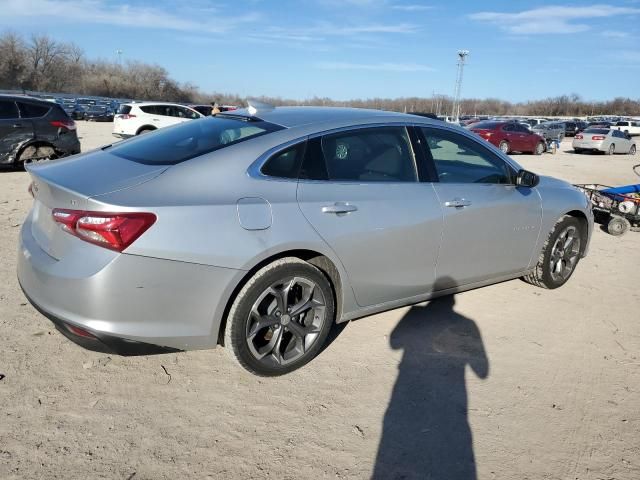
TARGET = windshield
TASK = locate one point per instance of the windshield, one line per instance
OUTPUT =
(189, 140)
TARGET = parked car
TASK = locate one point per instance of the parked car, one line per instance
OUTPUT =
(535, 121)
(509, 136)
(33, 129)
(259, 230)
(99, 113)
(571, 128)
(550, 130)
(604, 140)
(138, 118)
(628, 126)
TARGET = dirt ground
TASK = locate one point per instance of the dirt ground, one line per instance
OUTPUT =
(552, 388)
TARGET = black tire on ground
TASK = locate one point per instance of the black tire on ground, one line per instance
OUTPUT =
(544, 274)
(260, 337)
(632, 150)
(612, 149)
(618, 226)
(504, 146)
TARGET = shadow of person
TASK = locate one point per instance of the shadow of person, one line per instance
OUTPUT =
(426, 434)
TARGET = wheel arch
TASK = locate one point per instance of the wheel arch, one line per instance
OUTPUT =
(34, 142)
(145, 127)
(317, 259)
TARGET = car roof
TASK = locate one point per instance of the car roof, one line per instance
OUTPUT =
(298, 116)
(144, 104)
(25, 97)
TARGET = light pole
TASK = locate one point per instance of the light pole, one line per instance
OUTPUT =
(119, 53)
(462, 57)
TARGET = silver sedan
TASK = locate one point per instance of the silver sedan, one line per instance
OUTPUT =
(260, 229)
(605, 140)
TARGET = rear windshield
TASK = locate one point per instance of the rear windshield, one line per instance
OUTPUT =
(601, 131)
(189, 140)
(484, 125)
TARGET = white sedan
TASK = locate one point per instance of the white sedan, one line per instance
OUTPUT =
(603, 140)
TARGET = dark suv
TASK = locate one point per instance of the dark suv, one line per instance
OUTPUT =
(32, 129)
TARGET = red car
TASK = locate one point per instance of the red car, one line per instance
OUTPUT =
(510, 136)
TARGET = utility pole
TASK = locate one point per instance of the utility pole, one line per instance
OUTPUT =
(119, 53)
(462, 57)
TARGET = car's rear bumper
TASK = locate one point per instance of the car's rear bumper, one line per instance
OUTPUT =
(122, 298)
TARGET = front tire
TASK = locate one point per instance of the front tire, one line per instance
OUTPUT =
(539, 149)
(280, 319)
(504, 146)
(560, 254)
(632, 150)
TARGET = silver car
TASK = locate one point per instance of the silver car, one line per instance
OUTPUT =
(605, 140)
(259, 230)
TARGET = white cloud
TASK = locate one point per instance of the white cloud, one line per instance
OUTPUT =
(379, 67)
(551, 19)
(103, 12)
(412, 8)
(615, 34)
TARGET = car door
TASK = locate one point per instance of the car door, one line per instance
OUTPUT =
(13, 130)
(491, 226)
(514, 137)
(526, 139)
(359, 190)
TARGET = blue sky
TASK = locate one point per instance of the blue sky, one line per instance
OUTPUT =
(347, 49)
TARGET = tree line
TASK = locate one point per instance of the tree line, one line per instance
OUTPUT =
(42, 64)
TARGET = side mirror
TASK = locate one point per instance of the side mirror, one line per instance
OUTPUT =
(526, 178)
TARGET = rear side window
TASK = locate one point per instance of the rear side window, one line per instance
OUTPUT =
(285, 164)
(189, 140)
(124, 110)
(366, 155)
(8, 109)
(29, 110)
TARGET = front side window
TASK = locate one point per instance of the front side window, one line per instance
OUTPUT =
(8, 109)
(189, 140)
(459, 159)
(382, 154)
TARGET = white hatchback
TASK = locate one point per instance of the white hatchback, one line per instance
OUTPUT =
(138, 118)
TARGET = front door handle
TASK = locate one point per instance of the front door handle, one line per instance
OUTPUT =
(339, 208)
(457, 202)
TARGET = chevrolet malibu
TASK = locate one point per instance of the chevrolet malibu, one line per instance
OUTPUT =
(259, 229)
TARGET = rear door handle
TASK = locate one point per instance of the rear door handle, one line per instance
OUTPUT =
(339, 207)
(458, 202)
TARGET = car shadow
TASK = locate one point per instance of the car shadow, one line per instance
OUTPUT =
(426, 433)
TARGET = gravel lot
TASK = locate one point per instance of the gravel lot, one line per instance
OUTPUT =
(552, 390)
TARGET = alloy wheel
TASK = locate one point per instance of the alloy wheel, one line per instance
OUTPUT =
(565, 253)
(285, 321)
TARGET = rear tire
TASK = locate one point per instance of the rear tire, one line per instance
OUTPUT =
(632, 150)
(612, 149)
(560, 254)
(504, 146)
(263, 334)
(618, 226)
(145, 130)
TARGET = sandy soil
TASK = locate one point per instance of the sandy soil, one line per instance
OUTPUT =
(552, 390)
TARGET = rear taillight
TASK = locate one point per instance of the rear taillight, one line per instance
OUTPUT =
(68, 124)
(126, 116)
(115, 231)
(598, 137)
(579, 137)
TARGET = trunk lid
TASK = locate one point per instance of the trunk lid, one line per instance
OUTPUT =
(70, 183)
